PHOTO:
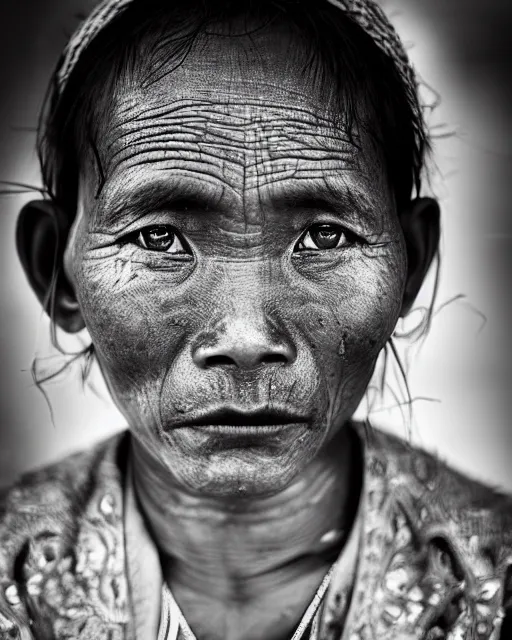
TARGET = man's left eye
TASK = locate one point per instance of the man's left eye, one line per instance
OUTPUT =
(322, 237)
(160, 238)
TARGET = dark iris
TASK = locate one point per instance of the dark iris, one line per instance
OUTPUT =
(326, 236)
(157, 238)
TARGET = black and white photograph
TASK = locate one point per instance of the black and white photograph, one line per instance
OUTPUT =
(255, 313)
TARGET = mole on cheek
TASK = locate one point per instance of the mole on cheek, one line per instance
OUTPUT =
(341, 345)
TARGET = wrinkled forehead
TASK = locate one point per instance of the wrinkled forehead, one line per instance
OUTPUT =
(242, 97)
(238, 66)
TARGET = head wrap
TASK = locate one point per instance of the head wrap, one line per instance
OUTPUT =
(366, 13)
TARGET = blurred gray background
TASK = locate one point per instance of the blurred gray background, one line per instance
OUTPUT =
(460, 378)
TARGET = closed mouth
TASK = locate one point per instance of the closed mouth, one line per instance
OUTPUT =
(235, 420)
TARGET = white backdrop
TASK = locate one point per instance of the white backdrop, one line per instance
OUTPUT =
(461, 375)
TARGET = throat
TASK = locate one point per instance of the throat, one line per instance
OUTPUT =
(234, 563)
(280, 614)
(240, 581)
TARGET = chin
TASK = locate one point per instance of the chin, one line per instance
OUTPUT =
(244, 482)
(242, 472)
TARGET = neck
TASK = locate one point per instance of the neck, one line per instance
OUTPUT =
(223, 545)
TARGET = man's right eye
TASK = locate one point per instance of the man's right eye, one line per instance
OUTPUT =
(162, 238)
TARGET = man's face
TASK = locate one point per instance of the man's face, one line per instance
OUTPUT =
(241, 269)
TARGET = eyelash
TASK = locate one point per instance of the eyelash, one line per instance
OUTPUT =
(339, 235)
(311, 240)
(173, 238)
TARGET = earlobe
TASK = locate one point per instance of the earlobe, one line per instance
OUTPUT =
(421, 227)
(41, 236)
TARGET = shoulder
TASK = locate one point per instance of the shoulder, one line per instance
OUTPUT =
(432, 483)
(441, 544)
(60, 527)
(52, 498)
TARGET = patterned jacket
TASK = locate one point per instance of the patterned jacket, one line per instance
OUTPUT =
(434, 561)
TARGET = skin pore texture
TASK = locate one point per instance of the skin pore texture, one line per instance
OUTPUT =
(231, 162)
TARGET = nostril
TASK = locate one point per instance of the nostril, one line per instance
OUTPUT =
(219, 361)
(227, 361)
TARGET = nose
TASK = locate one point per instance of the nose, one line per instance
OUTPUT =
(245, 342)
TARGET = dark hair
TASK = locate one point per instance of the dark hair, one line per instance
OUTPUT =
(346, 63)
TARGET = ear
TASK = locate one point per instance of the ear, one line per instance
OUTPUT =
(421, 227)
(41, 236)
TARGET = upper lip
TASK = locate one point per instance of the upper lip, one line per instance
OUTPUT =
(237, 417)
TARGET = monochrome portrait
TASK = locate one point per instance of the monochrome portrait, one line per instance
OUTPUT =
(255, 321)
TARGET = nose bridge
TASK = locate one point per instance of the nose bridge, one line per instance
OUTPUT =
(249, 289)
(245, 331)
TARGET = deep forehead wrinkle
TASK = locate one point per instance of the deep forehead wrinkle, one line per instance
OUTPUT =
(236, 117)
(129, 109)
(257, 137)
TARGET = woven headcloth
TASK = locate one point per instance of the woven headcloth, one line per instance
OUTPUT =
(366, 13)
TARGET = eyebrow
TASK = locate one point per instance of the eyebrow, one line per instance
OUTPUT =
(177, 196)
(322, 195)
(184, 195)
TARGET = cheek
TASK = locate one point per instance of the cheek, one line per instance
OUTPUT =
(349, 313)
(128, 312)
